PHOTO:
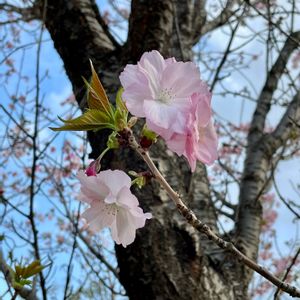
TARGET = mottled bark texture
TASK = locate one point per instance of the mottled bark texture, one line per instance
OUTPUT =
(168, 260)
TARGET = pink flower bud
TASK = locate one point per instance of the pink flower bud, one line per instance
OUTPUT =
(93, 168)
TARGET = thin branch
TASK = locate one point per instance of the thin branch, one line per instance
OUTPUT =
(177, 30)
(221, 19)
(205, 229)
(264, 100)
(283, 200)
(35, 157)
(224, 58)
(288, 271)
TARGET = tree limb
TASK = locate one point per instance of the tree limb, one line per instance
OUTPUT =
(204, 228)
(264, 100)
(217, 22)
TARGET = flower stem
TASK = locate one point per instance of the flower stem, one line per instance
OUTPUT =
(191, 218)
(103, 153)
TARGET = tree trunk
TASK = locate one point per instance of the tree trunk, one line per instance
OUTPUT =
(168, 259)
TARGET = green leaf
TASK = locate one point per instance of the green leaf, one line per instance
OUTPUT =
(21, 273)
(119, 102)
(139, 181)
(121, 113)
(97, 98)
(92, 119)
(32, 269)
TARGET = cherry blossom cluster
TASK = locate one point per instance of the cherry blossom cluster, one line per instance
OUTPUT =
(176, 105)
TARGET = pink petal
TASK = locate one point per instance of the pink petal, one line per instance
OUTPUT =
(152, 65)
(139, 217)
(190, 152)
(134, 97)
(201, 105)
(136, 89)
(125, 228)
(110, 199)
(160, 114)
(98, 216)
(115, 180)
(130, 75)
(177, 143)
(114, 232)
(164, 133)
(182, 78)
(126, 199)
(208, 145)
(170, 60)
(92, 186)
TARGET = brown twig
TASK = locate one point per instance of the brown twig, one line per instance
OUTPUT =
(205, 229)
(288, 271)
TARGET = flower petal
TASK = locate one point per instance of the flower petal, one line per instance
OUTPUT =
(136, 89)
(177, 143)
(92, 187)
(98, 216)
(126, 199)
(115, 180)
(160, 114)
(183, 78)
(208, 144)
(152, 65)
(202, 108)
(139, 217)
(125, 228)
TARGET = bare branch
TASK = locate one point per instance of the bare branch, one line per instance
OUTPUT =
(288, 271)
(264, 100)
(287, 129)
(26, 13)
(219, 21)
(205, 229)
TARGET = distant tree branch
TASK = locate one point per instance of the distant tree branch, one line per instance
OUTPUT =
(286, 128)
(288, 271)
(219, 21)
(26, 14)
(265, 97)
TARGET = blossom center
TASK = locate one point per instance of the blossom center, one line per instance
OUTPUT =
(165, 95)
(111, 209)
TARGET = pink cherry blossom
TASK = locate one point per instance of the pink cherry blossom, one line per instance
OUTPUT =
(112, 205)
(176, 105)
(159, 89)
(199, 141)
